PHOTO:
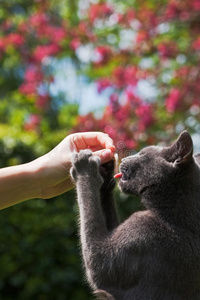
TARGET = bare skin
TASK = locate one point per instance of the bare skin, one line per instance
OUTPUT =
(49, 176)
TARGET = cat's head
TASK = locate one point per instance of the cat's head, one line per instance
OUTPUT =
(155, 168)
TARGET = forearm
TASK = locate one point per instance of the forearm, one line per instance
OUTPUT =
(91, 216)
(19, 183)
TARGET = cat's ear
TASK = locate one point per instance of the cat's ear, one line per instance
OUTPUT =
(181, 152)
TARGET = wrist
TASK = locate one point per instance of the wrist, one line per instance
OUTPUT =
(52, 174)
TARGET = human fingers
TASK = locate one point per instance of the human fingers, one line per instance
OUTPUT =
(105, 155)
(98, 140)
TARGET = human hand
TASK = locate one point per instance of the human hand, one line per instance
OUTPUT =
(55, 177)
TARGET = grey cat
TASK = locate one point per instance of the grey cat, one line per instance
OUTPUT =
(155, 253)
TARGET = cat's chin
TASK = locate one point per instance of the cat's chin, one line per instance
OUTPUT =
(123, 185)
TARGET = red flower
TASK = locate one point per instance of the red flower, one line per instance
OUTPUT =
(52, 33)
(196, 4)
(102, 84)
(100, 10)
(196, 44)
(119, 78)
(14, 39)
(75, 43)
(145, 114)
(142, 36)
(130, 16)
(123, 113)
(32, 74)
(38, 20)
(131, 144)
(113, 103)
(173, 101)
(103, 54)
(132, 99)
(167, 49)
(124, 77)
(42, 101)
(28, 88)
(44, 51)
(58, 34)
(110, 130)
(32, 79)
(172, 10)
(130, 75)
(2, 44)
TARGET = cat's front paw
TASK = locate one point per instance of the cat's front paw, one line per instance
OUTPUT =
(85, 165)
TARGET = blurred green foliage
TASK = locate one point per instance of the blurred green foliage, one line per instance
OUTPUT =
(39, 251)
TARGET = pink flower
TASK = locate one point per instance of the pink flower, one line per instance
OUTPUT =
(58, 34)
(2, 44)
(14, 39)
(110, 130)
(102, 84)
(32, 74)
(104, 53)
(183, 72)
(28, 88)
(123, 113)
(75, 43)
(125, 76)
(173, 101)
(42, 101)
(114, 98)
(119, 78)
(196, 4)
(130, 75)
(44, 51)
(196, 44)
(145, 114)
(132, 99)
(113, 103)
(172, 10)
(99, 10)
(141, 36)
(38, 20)
(131, 144)
(167, 49)
(32, 78)
(52, 33)
(130, 15)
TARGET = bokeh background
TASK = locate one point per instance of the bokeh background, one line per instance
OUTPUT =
(128, 68)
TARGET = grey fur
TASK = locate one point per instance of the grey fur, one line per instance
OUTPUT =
(154, 254)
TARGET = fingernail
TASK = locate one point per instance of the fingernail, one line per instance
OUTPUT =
(112, 148)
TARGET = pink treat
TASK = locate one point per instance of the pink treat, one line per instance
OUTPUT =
(118, 175)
